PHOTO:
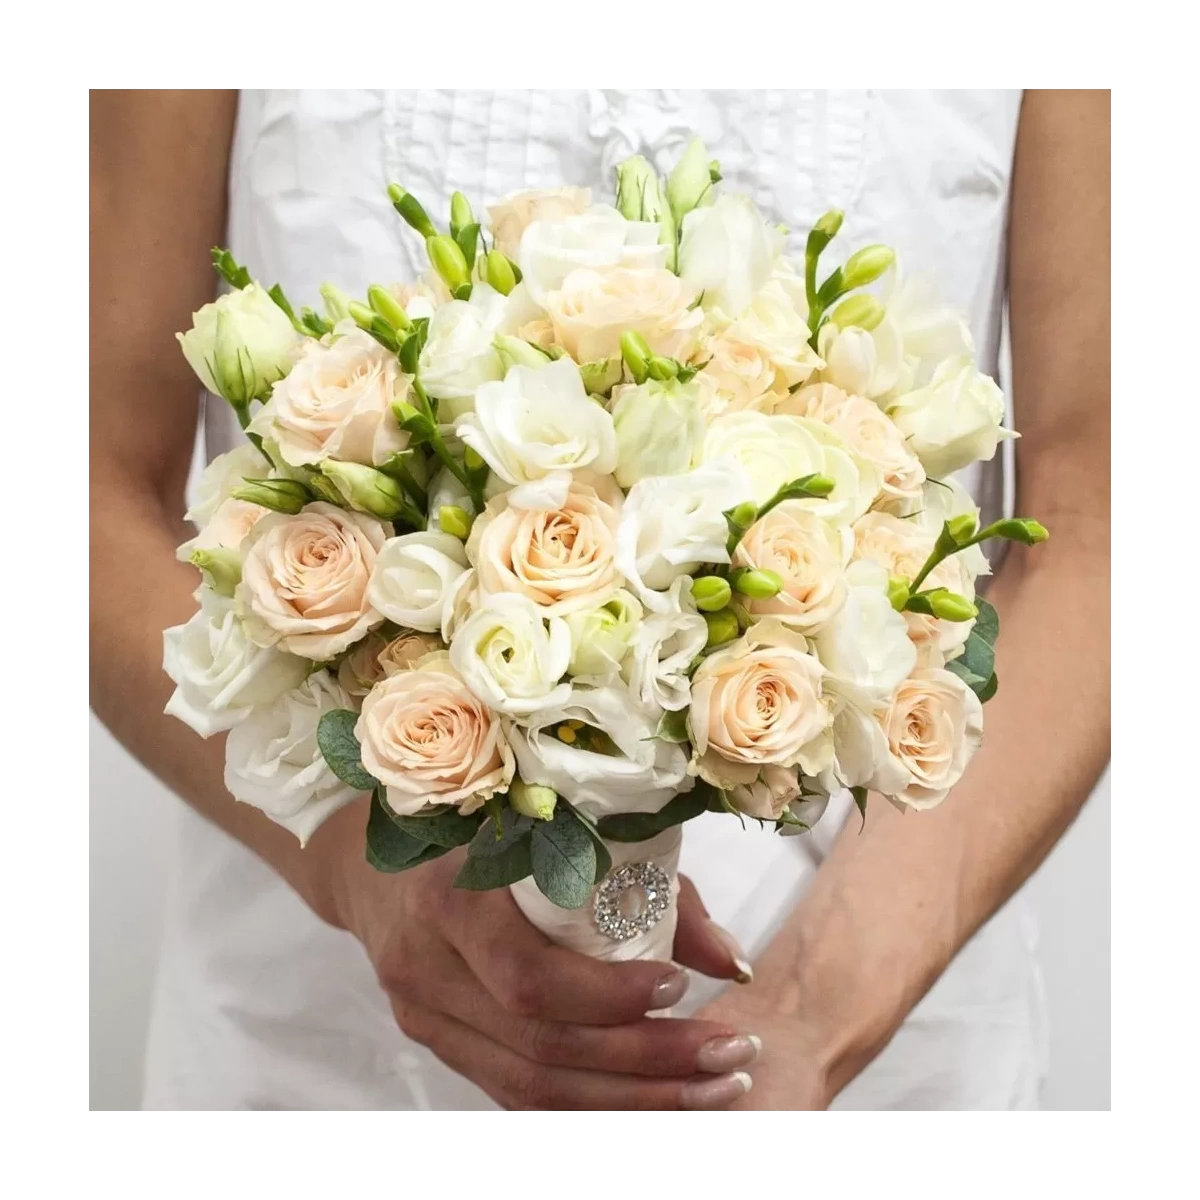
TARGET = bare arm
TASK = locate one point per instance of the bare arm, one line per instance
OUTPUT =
(894, 904)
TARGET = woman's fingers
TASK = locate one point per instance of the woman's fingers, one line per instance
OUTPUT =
(700, 943)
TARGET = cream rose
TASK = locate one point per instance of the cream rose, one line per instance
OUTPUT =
(226, 529)
(563, 559)
(535, 428)
(518, 210)
(413, 577)
(429, 740)
(933, 726)
(773, 324)
(808, 554)
(592, 309)
(273, 762)
(759, 703)
(337, 403)
(360, 670)
(406, 651)
(220, 675)
(767, 796)
(305, 579)
(740, 370)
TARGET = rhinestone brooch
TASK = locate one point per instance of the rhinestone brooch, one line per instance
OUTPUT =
(631, 901)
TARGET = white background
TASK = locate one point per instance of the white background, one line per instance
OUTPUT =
(131, 845)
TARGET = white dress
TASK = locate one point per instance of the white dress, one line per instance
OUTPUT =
(261, 1005)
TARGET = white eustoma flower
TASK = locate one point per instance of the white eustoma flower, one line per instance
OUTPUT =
(663, 650)
(671, 525)
(777, 449)
(220, 675)
(414, 576)
(599, 237)
(510, 657)
(930, 331)
(660, 429)
(644, 775)
(459, 355)
(221, 476)
(601, 636)
(273, 762)
(862, 362)
(727, 252)
(954, 420)
(537, 426)
(866, 644)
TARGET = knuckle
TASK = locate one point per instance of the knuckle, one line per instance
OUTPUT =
(551, 1042)
(527, 1087)
(521, 994)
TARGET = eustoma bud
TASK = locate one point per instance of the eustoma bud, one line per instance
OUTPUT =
(532, 799)
(757, 584)
(690, 184)
(455, 521)
(711, 593)
(365, 489)
(950, 606)
(221, 568)
(722, 627)
(279, 495)
(866, 265)
(640, 198)
(516, 352)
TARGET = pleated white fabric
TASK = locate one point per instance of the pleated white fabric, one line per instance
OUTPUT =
(260, 1005)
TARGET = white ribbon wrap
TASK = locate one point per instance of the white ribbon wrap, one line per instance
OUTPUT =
(576, 928)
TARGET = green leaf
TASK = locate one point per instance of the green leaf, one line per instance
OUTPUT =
(495, 862)
(956, 667)
(340, 748)
(988, 690)
(637, 827)
(860, 801)
(389, 848)
(468, 239)
(275, 291)
(229, 268)
(603, 857)
(987, 624)
(448, 829)
(673, 726)
(563, 856)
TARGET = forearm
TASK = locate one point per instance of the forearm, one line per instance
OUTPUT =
(896, 901)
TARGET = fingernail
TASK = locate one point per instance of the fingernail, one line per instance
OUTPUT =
(669, 990)
(715, 1093)
(745, 972)
(725, 1053)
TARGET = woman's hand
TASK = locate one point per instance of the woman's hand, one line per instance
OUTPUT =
(534, 1025)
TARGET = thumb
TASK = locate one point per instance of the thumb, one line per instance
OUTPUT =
(700, 943)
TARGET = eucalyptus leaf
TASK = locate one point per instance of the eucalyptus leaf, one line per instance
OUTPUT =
(673, 726)
(340, 748)
(494, 862)
(389, 848)
(637, 827)
(989, 689)
(987, 624)
(448, 829)
(860, 802)
(563, 856)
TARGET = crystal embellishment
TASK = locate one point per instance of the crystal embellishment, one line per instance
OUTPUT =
(631, 901)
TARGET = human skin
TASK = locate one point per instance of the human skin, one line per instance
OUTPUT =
(540, 1027)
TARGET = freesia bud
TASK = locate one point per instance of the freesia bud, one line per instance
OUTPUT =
(829, 223)
(744, 515)
(711, 593)
(517, 352)
(1021, 529)
(387, 306)
(758, 584)
(636, 352)
(862, 310)
(279, 495)
(866, 265)
(662, 368)
(221, 568)
(950, 606)
(473, 460)
(499, 273)
(409, 207)
(532, 799)
(690, 184)
(962, 528)
(361, 315)
(897, 591)
(455, 521)
(714, 171)
(601, 376)
(722, 627)
(449, 261)
(365, 489)
(460, 212)
(337, 303)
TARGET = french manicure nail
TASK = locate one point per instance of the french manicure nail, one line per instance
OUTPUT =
(715, 1093)
(669, 990)
(725, 1053)
(745, 972)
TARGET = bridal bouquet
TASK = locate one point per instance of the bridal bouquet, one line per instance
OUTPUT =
(613, 518)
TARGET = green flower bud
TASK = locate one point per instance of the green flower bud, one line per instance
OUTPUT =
(448, 261)
(722, 627)
(714, 171)
(636, 352)
(405, 414)
(455, 521)
(221, 568)
(365, 489)
(862, 310)
(640, 198)
(387, 306)
(866, 265)
(950, 606)
(829, 223)
(897, 590)
(516, 352)
(711, 593)
(1020, 529)
(460, 212)
(662, 368)
(472, 459)
(532, 799)
(758, 584)
(601, 376)
(361, 314)
(744, 515)
(962, 528)
(690, 184)
(409, 207)
(279, 495)
(499, 273)
(337, 303)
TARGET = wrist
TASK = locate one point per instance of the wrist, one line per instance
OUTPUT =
(338, 867)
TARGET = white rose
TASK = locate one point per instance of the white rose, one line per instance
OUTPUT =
(774, 450)
(772, 323)
(221, 476)
(670, 525)
(459, 355)
(220, 675)
(664, 649)
(599, 237)
(659, 427)
(510, 657)
(514, 214)
(414, 576)
(954, 420)
(726, 252)
(740, 372)
(537, 426)
(644, 775)
(862, 755)
(867, 644)
(601, 636)
(272, 760)
(240, 344)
